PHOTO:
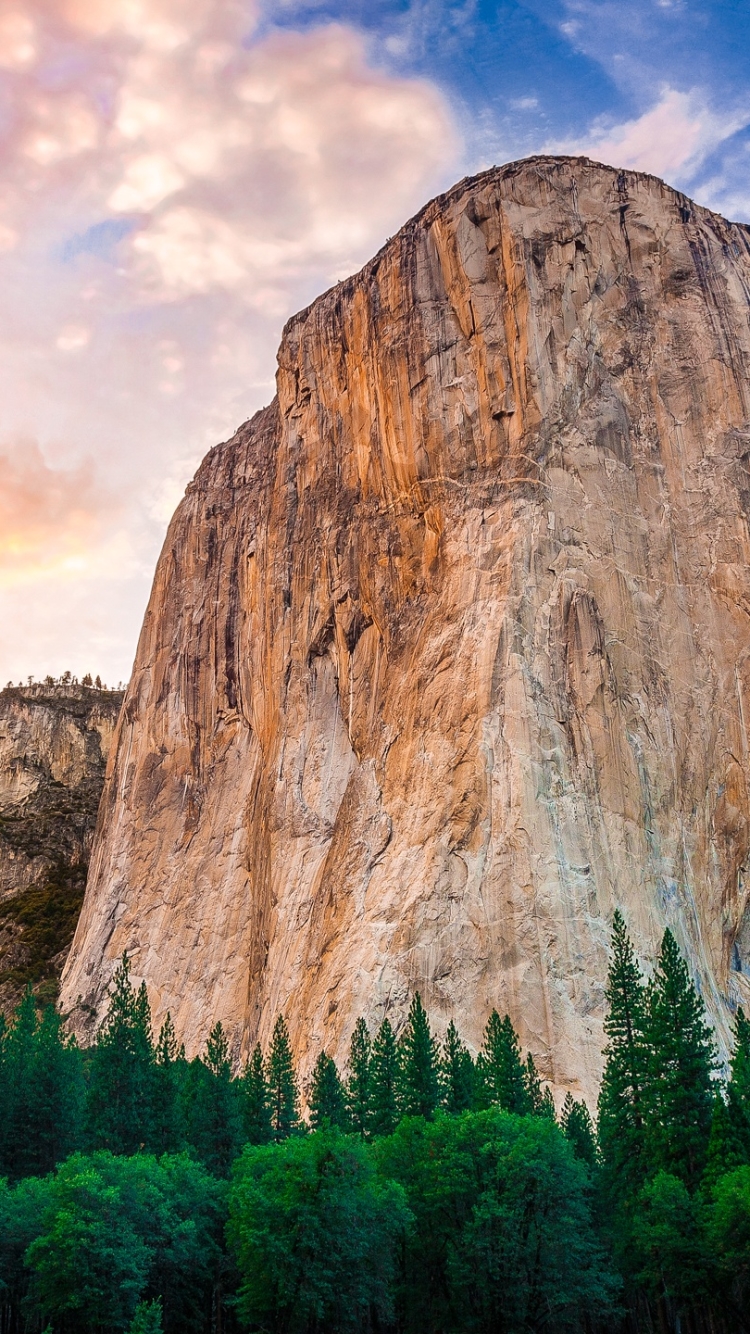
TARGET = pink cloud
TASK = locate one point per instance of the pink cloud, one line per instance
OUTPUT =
(172, 186)
(672, 138)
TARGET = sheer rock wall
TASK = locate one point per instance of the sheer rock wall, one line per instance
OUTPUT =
(448, 651)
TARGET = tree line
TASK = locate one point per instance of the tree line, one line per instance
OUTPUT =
(425, 1191)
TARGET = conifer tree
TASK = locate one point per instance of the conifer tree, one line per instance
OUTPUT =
(500, 1069)
(327, 1096)
(621, 1098)
(578, 1128)
(419, 1064)
(738, 1091)
(216, 1116)
(359, 1081)
(456, 1073)
(167, 1132)
(547, 1105)
(121, 1089)
(680, 1088)
(17, 1072)
(282, 1084)
(257, 1112)
(384, 1082)
(56, 1096)
(533, 1086)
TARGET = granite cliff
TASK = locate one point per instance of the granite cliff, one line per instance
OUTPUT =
(54, 741)
(448, 650)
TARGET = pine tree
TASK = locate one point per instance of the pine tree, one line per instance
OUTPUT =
(456, 1073)
(216, 1115)
(419, 1064)
(500, 1069)
(121, 1089)
(257, 1112)
(738, 1091)
(359, 1081)
(327, 1096)
(547, 1105)
(621, 1098)
(533, 1086)
(167, 1131)
(56, 1098)
(578, 1128)
(282, 1084)
(680, 1088)
(384, 1082)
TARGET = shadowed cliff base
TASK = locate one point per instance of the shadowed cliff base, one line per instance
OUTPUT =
(447, 651)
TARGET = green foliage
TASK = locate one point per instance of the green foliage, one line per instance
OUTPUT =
(668, 1244)
(111, 1229)
(503, 1238)
(679, 1090)
(622, 1136)
(457, 1074)
(359, 1080)
(41, 1092)
(44, 917)
(214, 1113)
(121, 1089)
(384, 1082)
(147, 1318)
(419, 1064)
(577, 1126)
(728, 1234)
(327, 1096)
(315, 1235)
(281, 1079)
(500, 1070)
(256, 1109)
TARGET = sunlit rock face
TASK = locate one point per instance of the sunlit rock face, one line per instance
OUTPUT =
(448, 651)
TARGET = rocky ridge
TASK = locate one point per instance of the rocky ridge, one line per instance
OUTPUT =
(448, 650)
(54, 741)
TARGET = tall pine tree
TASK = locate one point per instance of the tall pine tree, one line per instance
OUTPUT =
(384, 1082)
(680, 1087)
(216, 1130)
(327, 1096)
(256, 1108)
(500, 1069)
(121, 1088)
(578, 1128)
(359, 1080)
(622, 1137)
(167, 1129)
(283, 1094)
(456, 1073)
(419, 1090)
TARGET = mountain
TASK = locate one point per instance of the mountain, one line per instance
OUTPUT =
(448, 649)
(54, 741)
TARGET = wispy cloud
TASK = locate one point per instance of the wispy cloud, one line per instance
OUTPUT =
(673, 138)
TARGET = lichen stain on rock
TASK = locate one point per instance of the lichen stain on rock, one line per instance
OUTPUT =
(448, 651)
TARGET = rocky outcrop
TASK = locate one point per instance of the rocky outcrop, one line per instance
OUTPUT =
(54, 741)
(448, 651)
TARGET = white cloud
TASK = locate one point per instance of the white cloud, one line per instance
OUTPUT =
(671, 139)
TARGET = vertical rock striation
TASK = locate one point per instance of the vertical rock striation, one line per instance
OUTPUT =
(448, 651)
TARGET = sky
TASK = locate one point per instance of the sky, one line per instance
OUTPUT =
(177, 177)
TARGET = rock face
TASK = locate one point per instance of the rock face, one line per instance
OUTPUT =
(448, 651)
(54, 741)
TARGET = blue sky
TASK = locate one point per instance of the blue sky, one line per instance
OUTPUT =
(177, 177)
(520, 75)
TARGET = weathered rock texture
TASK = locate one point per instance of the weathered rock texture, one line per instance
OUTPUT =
(448, 651)
(54, 741)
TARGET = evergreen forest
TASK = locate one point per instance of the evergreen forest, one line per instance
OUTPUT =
(424, 1191)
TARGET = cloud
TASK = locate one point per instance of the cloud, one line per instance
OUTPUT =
(49, 517)
(672, 139)
(174, 182)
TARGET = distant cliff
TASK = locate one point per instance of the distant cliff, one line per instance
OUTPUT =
(448, 650)
(54, 742)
